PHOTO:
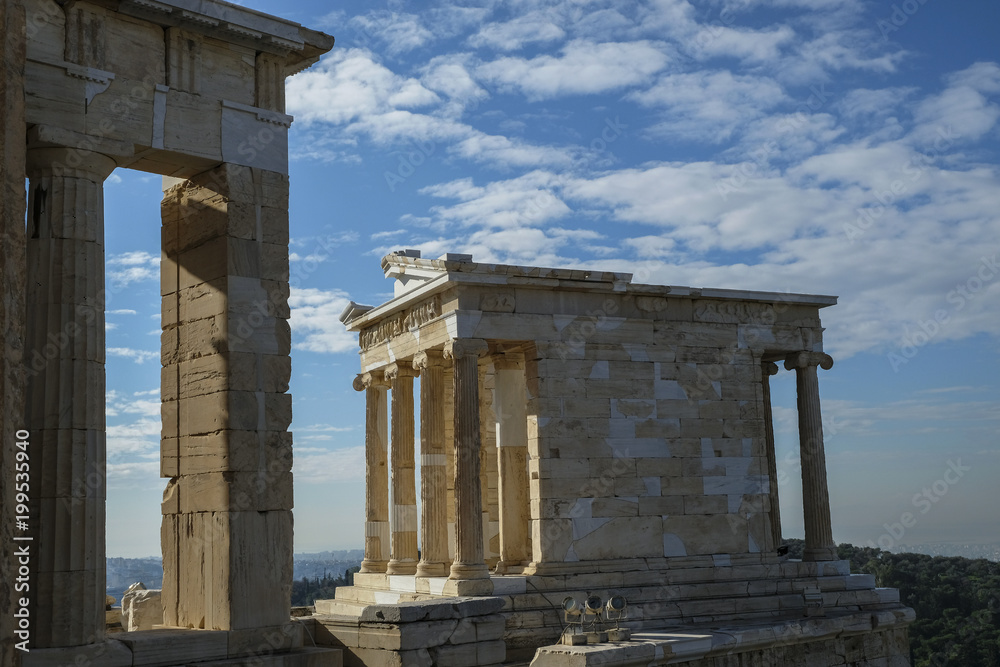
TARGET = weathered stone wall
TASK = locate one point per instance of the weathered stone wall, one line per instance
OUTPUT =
(12, 206)
(821, 644)
(453, 632)
(877, 649)
(227, 522)
(646, 432)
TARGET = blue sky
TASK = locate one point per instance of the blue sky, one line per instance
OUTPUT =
(822, 146)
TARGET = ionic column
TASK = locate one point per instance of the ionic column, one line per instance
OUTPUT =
(512, 459)
(469, 563)
(488, 474)
(403, 558)
(819, 544)
(65, 398)
(376, 472)
(767, 369)
(433, 467)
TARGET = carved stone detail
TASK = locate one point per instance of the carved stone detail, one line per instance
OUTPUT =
(400, 323)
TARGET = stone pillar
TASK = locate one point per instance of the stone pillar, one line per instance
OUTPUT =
(376, 472)
(403, 558)
(819, 544)
(488, 473)
(12, 298)
(434, 559)
(469, 563)
(512, 459)
(449, 441)
(66, 388)
(227, 522)
(767, 369)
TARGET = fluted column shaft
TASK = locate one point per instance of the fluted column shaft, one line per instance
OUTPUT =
(819, 544)
(767, 370)
(403, 558)
(512, 455)
(65, 359)
(469, 563)
(434, 559)
(376, 472)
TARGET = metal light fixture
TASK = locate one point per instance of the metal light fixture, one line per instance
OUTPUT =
(616, 610)
(594, 612)
(573, 612)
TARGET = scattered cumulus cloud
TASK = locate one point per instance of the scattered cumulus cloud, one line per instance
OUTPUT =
(315, 321)
(138, 356)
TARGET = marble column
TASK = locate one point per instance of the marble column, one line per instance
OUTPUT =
(376, 472)
(767, 369)
(65, 358)
(403, 557)
(512, 459)
(488, 473)
(819, 544)
(434, 559)
(468, 563)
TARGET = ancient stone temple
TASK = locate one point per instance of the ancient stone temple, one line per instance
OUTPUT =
(194, 91)
(585, 435)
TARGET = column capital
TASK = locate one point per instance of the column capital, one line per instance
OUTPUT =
(399, 370)
(363, 381)
(508, 361)
(465, 347)
(428, 359)
(769, 368)
(69, 163)
(805, 359)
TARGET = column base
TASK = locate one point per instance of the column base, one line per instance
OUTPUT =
(432, 569)
(373, 566)
(820, 554)
(467, 587)
(466, 571)
(401, 567)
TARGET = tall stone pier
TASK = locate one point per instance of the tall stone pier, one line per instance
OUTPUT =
(193, 92)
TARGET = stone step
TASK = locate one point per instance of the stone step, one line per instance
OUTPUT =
(340, 608)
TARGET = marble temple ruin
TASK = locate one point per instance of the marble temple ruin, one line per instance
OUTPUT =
(584, 435)
(581, 435)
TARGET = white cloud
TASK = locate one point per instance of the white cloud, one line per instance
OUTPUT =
(516, 203)
(322, 466)
(538, 26)
(963, 111)
(352, 90)
(134, 475)
(132, 267)
(138, 356)
(315, 321)
(397, 33)
(707, 105)
(583, 68)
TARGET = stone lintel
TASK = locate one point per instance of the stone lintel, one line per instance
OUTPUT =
(237, 25)
(418, 278)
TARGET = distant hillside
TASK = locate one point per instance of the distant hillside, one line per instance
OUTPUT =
(957, 601)
(123, 572)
